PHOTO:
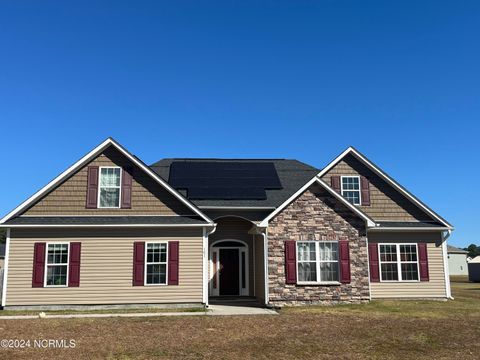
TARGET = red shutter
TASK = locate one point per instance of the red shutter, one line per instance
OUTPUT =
(74, 264)
(344, 262)
(92, 187)
(127, 188)
(173, 262)
(423, 261)
(290, 262)
(138, 263)
(373, 259)
(38, 264)
(335, 182)
(365, 190)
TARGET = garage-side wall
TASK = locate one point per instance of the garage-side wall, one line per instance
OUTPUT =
(435, 287)
(106, 268)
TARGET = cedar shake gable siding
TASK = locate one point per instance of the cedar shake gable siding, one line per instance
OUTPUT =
(148, 196)
(317, 213)
(386, 203)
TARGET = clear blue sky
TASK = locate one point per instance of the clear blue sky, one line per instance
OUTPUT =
(399, 80)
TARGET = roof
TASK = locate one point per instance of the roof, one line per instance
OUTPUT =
(293, 174)
(85, 159)
(454, 250)
(475, 260)
(369, 221)
(410, 224)
(105, 221)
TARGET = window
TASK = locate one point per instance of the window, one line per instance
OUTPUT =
(317, 261)
(57, 265)
(156, 264)
(398, 262)
(351, 189)
(307, 264)
(109, 192)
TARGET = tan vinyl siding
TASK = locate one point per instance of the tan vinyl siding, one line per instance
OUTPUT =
(434, 288)
(106, 270)
(148, 196)
(386, 203)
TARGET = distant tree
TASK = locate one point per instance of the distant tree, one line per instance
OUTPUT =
(3, 234)
(473, 250)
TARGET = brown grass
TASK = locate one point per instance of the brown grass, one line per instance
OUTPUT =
(379, 330)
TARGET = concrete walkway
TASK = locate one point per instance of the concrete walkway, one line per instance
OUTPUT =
(214, 310)
(239, 310)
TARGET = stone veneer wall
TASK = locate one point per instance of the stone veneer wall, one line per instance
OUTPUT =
(317, 214)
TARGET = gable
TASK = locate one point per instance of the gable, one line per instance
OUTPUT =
(148, 196)
(317, 208)
(386, 203)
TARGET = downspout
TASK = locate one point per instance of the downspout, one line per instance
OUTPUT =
(206, 262)
(5, 270)
(448, 290)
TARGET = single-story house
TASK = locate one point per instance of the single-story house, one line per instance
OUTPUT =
(457, 261)
(112, 230)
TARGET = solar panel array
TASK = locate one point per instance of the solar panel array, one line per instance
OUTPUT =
(224, 179)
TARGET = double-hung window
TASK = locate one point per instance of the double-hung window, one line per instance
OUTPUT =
(156, 263)
(398, 262)
(57, 265)
(109, 187)
(317, 261)
(351, 189)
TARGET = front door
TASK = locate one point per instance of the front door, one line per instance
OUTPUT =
(229, 272)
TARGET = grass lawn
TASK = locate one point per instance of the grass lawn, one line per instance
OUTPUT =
(381, 330)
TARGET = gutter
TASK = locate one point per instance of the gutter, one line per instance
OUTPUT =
(102, 225)
(379, 228)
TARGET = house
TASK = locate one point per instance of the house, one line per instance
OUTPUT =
(457, 261)
(112, 230)
(474, 269)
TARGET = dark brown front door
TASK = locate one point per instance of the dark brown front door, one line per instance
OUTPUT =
(229, 272)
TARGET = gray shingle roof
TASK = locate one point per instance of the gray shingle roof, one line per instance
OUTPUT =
(408, 224)
(293, 174)
(105, 220)
(454, 250)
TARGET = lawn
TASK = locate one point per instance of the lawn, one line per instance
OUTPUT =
(379, 330)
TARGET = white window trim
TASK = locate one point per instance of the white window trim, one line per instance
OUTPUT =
(145, 264)
(100, 186)
(243, 248)
(399, 263)
(359, 187)
(46, 264)
(317, 263)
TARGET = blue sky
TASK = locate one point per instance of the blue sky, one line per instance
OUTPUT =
(301, 79)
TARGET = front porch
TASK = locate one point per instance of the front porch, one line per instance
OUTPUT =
(236, 263)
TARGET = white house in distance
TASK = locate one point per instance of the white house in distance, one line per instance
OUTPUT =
(457, 261)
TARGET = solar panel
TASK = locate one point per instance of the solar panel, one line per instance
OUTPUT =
(233, 193)
(224, 179)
